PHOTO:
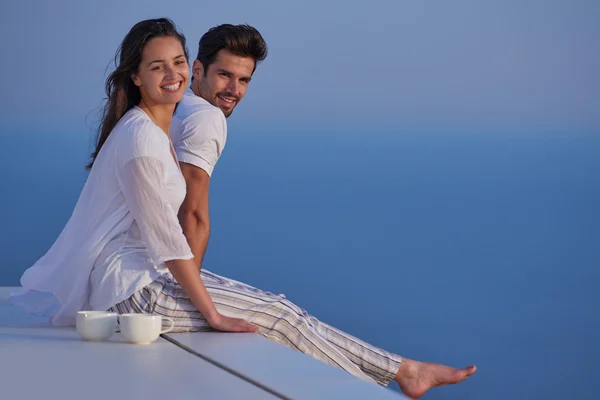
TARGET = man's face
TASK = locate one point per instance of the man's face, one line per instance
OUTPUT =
(225, 81)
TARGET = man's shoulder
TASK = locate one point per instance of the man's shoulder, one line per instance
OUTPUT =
(195, 108)
(197, 119)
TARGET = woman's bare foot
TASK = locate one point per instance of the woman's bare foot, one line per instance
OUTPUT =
(415, 377)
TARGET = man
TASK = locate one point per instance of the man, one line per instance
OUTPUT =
(221, 73)
(227, 58)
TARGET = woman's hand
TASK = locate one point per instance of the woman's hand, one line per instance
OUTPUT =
(186, 274)
(226, 324)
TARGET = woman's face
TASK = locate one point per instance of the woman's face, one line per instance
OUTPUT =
(163, 73)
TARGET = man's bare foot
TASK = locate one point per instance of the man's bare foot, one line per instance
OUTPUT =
(415, 377)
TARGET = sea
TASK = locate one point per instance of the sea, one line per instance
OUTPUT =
(454, 248)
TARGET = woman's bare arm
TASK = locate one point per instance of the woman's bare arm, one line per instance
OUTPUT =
(186, 274)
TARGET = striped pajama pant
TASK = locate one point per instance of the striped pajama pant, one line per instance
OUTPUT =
(276, 317)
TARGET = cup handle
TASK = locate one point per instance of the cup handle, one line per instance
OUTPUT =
(169, 329)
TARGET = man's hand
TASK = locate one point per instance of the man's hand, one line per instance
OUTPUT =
(226, 324)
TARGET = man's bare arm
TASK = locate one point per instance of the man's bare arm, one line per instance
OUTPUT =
(193, 214)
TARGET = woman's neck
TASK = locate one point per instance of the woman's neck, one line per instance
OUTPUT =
(160, 114)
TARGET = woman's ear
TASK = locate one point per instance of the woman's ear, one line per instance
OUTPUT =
(136, 80)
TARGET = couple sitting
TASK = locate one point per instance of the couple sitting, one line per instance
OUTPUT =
(138, 233)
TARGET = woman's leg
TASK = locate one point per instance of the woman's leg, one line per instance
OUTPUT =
(160, 298)
(278, 319)
(285, 322)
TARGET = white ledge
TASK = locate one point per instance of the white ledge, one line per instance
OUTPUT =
(40, 361)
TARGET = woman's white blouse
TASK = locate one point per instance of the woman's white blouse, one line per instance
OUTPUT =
(122, 230)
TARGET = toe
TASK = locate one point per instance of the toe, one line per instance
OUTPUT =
(470, 370)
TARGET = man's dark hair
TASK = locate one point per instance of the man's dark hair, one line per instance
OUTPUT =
(240, 40)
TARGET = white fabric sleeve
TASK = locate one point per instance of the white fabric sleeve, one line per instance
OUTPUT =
(144, 191)
(202, 139)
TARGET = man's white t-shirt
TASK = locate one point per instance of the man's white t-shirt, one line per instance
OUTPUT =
(198, 131)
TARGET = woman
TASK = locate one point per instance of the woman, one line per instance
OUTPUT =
(124, 233)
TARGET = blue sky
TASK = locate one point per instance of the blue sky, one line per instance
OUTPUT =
(485, 67)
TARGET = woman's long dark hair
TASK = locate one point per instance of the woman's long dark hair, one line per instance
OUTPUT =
(122, 94)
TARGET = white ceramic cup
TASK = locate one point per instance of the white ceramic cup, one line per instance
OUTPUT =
(143, 328)
(96, 325)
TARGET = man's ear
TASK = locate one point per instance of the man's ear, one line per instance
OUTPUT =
(197, 69)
